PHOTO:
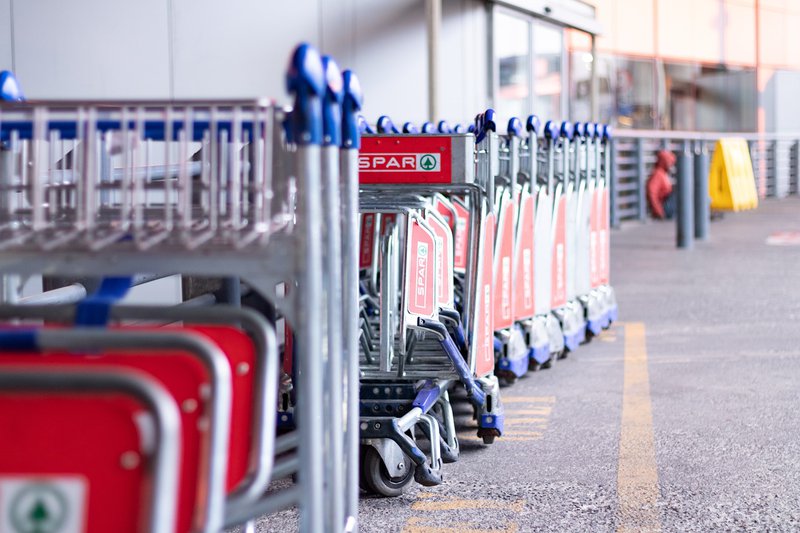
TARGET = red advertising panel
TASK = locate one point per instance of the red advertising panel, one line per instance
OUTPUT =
(420, 283)
(447, 211)
(484, 316)
(444, 261)
(461, 237)
(405, 159)
(523, 273)
(367, 240)
(558, 294)
(503, 266)
(594, 226)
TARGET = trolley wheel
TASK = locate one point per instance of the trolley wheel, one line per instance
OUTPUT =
(564, 353)
(488, 435)
(377, 478)
(506, 377)
(549, 363)
(362, 478)
(533, 366)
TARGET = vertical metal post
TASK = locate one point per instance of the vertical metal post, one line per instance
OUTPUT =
(232, 291)
(641, 180)
(611, 174)
(685, 215)
(795, 173)
(433, 10)
(701, 198)
(773, 150)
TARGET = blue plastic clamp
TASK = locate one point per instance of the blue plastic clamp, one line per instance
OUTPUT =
(550, 130)
(567, 130)
(459, 128)
(444, 127)
(94, 310)
(533, 125)
(332, 103)
(363, 125)
(608, 132)
(25, 340)
(385, 125)
(428, 128)
(305, 80)
(514, 127)
(10, 90)
(352, 101)
(409, 127)
(427, 396)
(581, 129)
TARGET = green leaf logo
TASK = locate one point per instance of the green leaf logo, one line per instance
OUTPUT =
(428, 162)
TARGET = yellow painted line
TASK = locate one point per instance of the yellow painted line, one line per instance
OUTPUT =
(608, 339)
(637, 474)
(521, 433)
(538, 411)
(528, 399)
(455, 504)
(525, 421)
(418, 525)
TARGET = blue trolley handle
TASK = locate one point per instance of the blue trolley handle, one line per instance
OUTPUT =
(305, 80)
(10, 90)
(332, 103)
(385, 125)
(410, 128)
(352, 101)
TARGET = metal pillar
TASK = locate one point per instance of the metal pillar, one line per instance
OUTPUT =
(685, 215)
(702, 207)
(641, 177)
(795, 173)
(433, 10)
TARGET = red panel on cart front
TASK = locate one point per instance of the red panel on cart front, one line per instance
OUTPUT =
(504, 261)
(63, 435)
(594, 236)
(182, 374)
(605, 240)
(367, 240)
(421, 283)
(523, 283)
(484, 323)
(391, 159)
(461, 237)
(558, 293)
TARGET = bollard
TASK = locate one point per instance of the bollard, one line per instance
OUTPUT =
(702, 202)
(685, 215)
(641, 176)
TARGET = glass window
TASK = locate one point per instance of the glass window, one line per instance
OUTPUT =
(726, 99)
(548, 46)
(513, 55)
(679, 104)
(635, 93)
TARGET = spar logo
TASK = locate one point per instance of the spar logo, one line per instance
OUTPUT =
(526, 278)
(559, 266)
(427, 162)
(506, 287)
(488, 347)
(420, 288)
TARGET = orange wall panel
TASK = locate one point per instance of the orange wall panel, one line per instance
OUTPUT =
(689, 30)
(772, 31)
(740, 33)
(634, 27)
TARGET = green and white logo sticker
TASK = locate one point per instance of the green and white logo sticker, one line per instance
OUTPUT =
(429, 162)
(42, 505)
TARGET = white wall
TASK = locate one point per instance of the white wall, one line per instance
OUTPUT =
(95, 49)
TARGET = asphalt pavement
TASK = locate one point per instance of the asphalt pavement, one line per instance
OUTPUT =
(685, 416)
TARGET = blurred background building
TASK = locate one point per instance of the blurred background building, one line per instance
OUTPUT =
(728, 65)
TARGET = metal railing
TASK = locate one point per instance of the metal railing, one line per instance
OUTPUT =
(776, 167)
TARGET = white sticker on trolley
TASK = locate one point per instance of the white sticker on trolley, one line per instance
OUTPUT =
(420, 289)
(43, 504)
(420, 162)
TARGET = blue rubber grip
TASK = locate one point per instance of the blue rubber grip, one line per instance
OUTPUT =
(486, 123)
(514, 127)
(410, 128)
(459, 128)
(94, 310)
(363, 126)
(567, 130)
(444, 127)
(305, 80)
(428, 128)
(581, 129)
(332, 103)
(550, 130)
(471, 128)
(352, 101)
(608, 132)
(24, 340)
(533, 125)
(10, 90)
(385, 125)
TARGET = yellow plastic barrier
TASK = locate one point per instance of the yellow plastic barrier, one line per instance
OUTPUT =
(731, 184)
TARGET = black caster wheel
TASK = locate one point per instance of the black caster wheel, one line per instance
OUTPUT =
(533, 366)
(377, 478)
(488, 435)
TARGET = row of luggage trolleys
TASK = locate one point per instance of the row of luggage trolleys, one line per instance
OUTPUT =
(483, 255)
(388, 268)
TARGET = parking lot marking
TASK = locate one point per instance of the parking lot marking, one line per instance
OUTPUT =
(455, 504)
(525, 421)
(528, 399)
(419, 525)
(637, 474)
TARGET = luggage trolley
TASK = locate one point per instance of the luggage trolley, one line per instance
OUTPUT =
(564, 303)
(209, 189)
(601, 225)
(511, 271)
(426, 238)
